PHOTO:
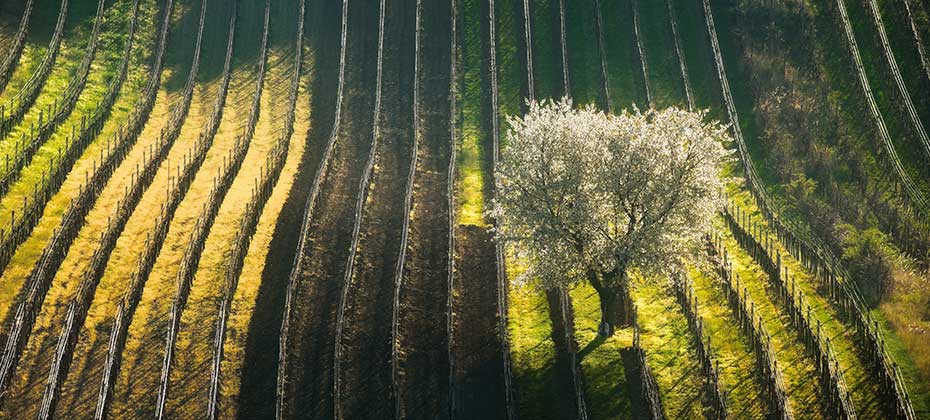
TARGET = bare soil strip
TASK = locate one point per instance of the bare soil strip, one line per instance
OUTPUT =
(308, 341)
(422, 312)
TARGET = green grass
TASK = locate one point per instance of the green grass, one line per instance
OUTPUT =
(730, 348)
(584, 59)
(532, 350)
(665, 79)
(547, 51)
(624, 75)
(861, 386)
(606, 388)
(796, 365)
(695, 45)
(470, 184)
(669, 348)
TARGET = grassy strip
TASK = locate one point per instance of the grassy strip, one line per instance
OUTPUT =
(796, 365)
(823, 309)
(665, 78)
(670, 348)
(624, 74)
(584, 61)
(475, 105)
(730, 347)
(606, 383)
(547, 56)
(696, 49)
(532, 350)
(37, 355)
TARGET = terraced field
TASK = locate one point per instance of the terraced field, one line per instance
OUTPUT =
(280, 209)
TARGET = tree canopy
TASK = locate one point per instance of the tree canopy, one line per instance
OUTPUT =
(589, 196)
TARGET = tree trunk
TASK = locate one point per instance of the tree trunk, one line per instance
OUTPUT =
(616, 305)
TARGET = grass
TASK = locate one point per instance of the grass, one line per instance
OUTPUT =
(88, 355)
(71, 51)
(470, 182)
(143, 347)
(796, 365)
(607, 392)
(669, 348)
(862, 388)
(532, 351)
(547, 50)
(38, 354)
(624, 73)
(584, 59)
(696, 49)
(251, 278)
(191, 372)
(730, 348)
(665, 78)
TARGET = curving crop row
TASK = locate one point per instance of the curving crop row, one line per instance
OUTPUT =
(309, 207)
(567, 317)
(248, 223)
(811, 250)
(744, 310)
(75, 216)
(75, 145)
(364, 187)
(684, 294)
(178, 187)
(454, 98)
(896, 75)
(602, 50)
(40, 277)
(921, 51)
(563, 41)
(641, 51)
(13, 111)
(830, 376)
(408, 203)
(19, 42)
(673, 19)
(221, 185)
(528, 37)
(913, 193)
(648, 386)
(502, 281)
(56, 112)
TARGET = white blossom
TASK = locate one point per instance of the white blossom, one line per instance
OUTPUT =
(585, 193)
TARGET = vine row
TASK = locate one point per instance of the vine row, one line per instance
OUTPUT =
(830, 376)
(177, 189)
(896, 75)
(673, 18)
(39, 280)
(221, 185)
(641, 51)
(684, 294)
(57, 112)
(13, 111)
(502, 281)
(649, 388)
(744, 310)
(309, 207)
(913, 193)
(248, 223)
(19, 42)
(810, 249)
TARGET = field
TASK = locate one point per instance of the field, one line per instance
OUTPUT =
(280, 209)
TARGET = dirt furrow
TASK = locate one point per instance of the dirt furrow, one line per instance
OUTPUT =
(306, 370)
(422, 365)
(363, 353)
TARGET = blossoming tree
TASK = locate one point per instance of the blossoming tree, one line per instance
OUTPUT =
(588, 196)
